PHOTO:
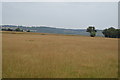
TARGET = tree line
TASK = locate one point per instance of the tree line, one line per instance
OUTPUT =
(110, 32)
(17, 29)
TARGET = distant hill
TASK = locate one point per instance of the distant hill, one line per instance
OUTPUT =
(44, 29)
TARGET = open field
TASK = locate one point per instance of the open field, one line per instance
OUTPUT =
(35, 55)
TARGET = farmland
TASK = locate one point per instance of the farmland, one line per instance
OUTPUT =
(40, 55)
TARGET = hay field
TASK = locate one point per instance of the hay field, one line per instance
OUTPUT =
(39, 55)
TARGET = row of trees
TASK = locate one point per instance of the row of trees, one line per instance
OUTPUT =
(17, 29)
(110, 32)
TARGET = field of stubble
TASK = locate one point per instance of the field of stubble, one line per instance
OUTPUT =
(38, 55)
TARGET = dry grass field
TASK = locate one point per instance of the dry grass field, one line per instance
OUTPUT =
(39, 55)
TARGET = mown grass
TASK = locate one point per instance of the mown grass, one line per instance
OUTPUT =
(32, 55)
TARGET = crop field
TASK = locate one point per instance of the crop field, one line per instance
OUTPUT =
(40, 55)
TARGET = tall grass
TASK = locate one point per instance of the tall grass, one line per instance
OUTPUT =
(52, 56)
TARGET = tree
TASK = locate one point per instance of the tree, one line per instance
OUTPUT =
(118, 32)
(9, 29)
(92, 31)
(17, 29)
(111, 32)
(105, 32)
(28, 30)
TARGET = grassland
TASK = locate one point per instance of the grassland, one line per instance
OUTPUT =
(39, 55)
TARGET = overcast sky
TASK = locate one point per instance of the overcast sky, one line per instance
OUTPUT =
(60, 0)
(74, 15)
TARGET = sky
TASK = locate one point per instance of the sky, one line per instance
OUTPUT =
(69, 15)
(59, 0)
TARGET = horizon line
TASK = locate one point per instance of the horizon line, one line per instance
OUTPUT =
(52, 26)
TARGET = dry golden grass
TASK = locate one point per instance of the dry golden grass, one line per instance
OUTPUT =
(35, 55)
